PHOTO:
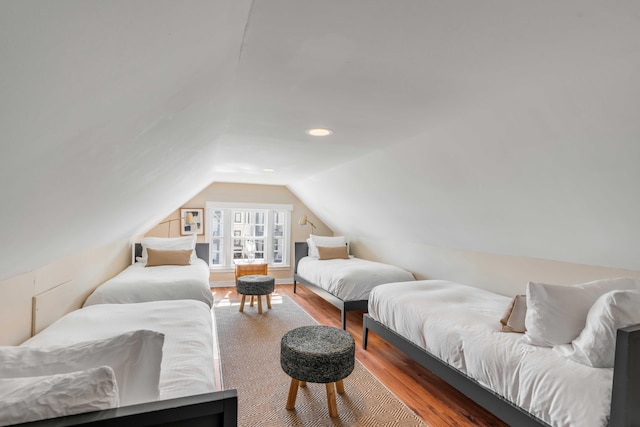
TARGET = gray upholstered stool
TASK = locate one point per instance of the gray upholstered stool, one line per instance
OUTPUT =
(317, 354)
(255, 285)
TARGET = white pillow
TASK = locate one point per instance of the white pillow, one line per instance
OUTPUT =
(557, 314)
(315, 241)
(135, 357)
(36, 398)
(596, 344)
(169, 243)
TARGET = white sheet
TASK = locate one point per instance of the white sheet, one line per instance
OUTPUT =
(460, 325)
(138, 283)
(350, 279)
(187, 355)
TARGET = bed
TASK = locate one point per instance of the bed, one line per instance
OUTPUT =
(190, 388)
(138, 283)
(453, 330)
(345, 283)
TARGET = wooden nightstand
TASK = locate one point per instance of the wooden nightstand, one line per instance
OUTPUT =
(247, 269)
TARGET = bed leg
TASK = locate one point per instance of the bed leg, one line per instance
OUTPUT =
(294, 286)
(344, 319)
(365, 334)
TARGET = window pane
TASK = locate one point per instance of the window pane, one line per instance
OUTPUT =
(216, 223)
(217, 257)
(278, 250)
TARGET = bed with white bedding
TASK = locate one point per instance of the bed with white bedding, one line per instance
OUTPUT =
(139, 283)
(188, 381)
(454, 331)
(187, 367)
(346, 283)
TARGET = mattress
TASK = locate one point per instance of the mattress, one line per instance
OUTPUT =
(137, 283)
(187, 355)
(460, 325)
(349, 279)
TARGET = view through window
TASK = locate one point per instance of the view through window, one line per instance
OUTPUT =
(248, 233)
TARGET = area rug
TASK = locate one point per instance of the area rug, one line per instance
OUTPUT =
(250, 355)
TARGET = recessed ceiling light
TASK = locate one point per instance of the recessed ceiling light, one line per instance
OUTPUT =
(269, 170)
(319, 132)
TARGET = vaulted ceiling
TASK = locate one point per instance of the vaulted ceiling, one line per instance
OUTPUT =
(501, 126)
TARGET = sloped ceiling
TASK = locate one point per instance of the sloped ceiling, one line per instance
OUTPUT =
(508, 127)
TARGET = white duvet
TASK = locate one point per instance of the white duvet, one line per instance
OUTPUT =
(460, 325)
(350, 279)
(187, 354)
(138, 283)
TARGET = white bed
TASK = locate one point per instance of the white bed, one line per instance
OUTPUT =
(459, 325)
(344, 281)
(350, 279)
(138, 283)
(187, 366)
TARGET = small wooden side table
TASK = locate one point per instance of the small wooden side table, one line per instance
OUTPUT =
(246, 269)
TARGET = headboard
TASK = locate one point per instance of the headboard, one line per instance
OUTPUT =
(301, 250)
(202, 251)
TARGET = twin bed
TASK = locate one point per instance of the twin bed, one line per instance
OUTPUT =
(345, 283)
(454, 331)
(173, 301)
(138, 283)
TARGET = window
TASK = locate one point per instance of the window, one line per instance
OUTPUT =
(248, 232)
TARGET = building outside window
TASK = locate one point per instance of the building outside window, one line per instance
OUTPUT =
(248, 232)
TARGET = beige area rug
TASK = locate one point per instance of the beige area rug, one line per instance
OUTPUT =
(250, 355)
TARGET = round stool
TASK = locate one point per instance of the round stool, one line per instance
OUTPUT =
(317, 354)
(255, 285)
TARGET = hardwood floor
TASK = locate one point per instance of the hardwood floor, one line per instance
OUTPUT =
(437, 403)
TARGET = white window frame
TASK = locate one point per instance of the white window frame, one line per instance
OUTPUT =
(227, 234)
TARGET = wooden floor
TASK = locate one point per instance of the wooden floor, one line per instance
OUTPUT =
(437, 403)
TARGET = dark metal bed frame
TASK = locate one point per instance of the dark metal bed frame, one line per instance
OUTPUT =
(217, 409)
(301, 251)
(202, 251)
(625, 399)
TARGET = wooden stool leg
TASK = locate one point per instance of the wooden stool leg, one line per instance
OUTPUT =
(293, 393)
(331, 400)
(303, 383)
(242, 303)
(259, 303)
(251, 303)
(340, 387)
(269, 301)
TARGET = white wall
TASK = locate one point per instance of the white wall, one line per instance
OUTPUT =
(109, 114)
(503, 274)
(80, 274)
(467, 185)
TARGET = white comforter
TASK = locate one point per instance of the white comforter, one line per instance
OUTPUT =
(350, 279)
(187, 354)
(138, 283)
(460, 325)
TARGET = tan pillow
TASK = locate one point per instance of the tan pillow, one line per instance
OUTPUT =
(156, 257)
(328, 252)
(513, 318)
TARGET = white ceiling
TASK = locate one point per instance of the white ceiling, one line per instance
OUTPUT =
(114, 113)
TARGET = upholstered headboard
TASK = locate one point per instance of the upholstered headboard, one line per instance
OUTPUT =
(202, 251)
